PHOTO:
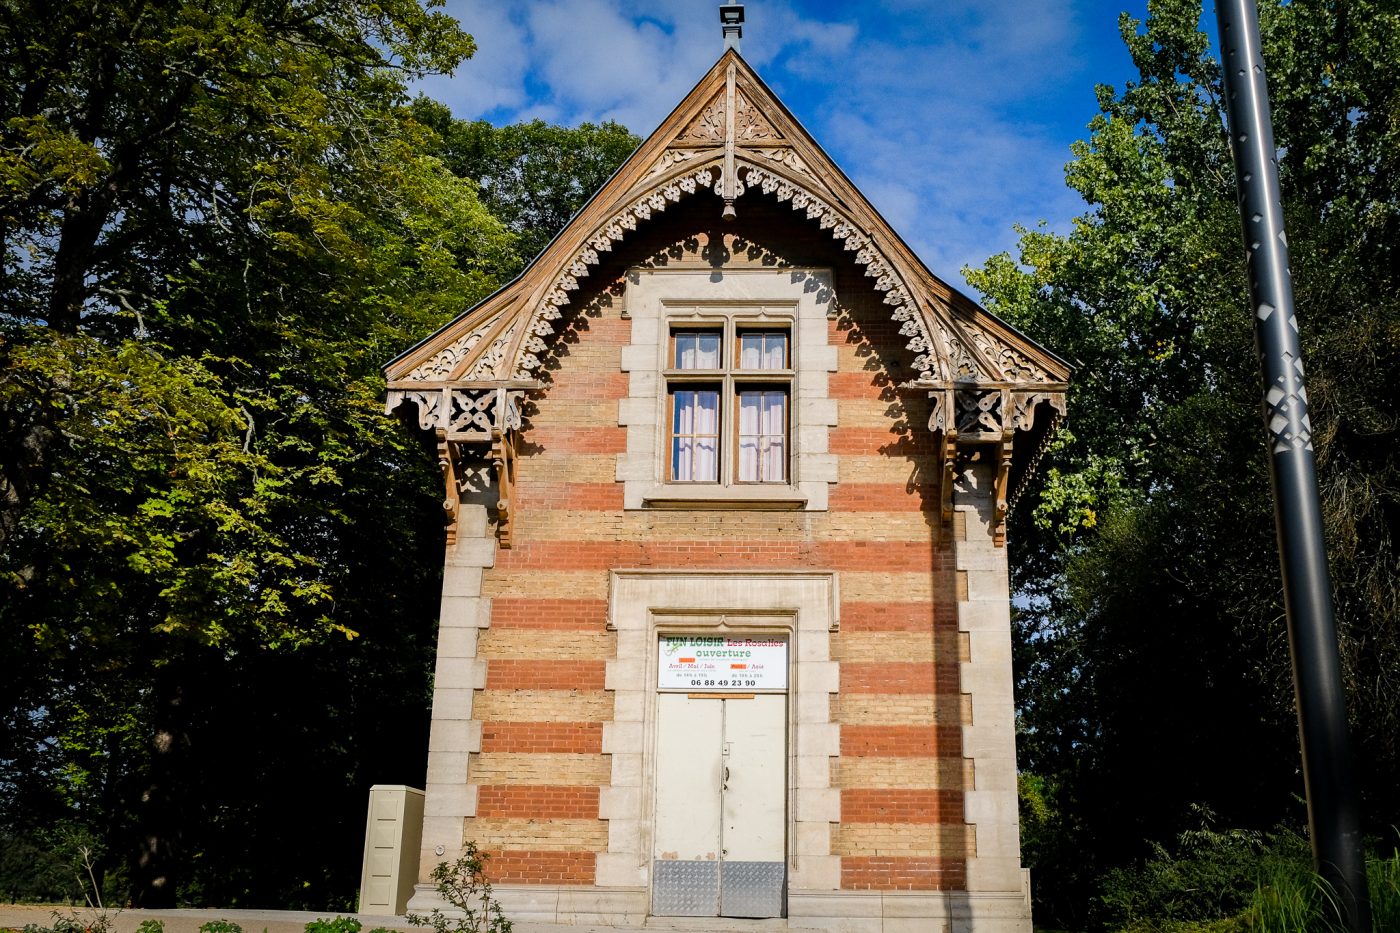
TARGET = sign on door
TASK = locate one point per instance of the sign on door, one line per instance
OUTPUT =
(722, 663)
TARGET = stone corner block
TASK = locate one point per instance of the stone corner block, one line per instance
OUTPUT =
(618, 870)
(821, 676)
(819, 804)
(622, 738)
(995, 874)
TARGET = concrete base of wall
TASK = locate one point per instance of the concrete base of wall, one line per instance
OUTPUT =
(827, 911)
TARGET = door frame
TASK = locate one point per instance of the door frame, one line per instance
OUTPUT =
(644, 603)
(728, 704)
(742, 623)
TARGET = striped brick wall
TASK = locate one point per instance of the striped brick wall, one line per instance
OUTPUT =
(900, 775)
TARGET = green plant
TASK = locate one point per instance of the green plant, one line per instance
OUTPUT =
(72, 922)
(463, 884)
(151, 926)
(1286, 901)
(98, 919)
(1207, 874)
(220, 926)
(334, 925)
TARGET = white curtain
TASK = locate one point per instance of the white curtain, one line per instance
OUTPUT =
(763, 436)
(697, 350)
(763, 351)
(695, 436)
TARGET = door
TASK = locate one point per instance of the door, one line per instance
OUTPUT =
(721, 806)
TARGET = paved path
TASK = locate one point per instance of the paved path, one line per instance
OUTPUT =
(17, 916)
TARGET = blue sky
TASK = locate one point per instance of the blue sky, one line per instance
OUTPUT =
(954, 117)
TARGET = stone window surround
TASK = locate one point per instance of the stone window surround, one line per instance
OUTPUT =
(643, 604)
(653, 298)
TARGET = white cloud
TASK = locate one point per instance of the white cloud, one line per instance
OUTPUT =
(943, 113)
(493, 78)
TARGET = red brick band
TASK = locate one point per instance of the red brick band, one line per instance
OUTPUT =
(540, 674)
(887, 617)
(538, 801)
(542, 737)
(577, 614)
(514, 866)
(892, 873)
(901, 741)
(901, 805)
(882, 556)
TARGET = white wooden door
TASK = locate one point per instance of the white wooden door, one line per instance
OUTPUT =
(721, 806)
(753, 807)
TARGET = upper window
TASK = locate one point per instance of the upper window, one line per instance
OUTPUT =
(729, 386)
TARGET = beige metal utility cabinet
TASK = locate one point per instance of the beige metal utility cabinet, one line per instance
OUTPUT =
(393, 833)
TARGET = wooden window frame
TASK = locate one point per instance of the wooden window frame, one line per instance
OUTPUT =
(729, 379)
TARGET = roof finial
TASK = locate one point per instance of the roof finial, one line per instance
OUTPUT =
(732, 16)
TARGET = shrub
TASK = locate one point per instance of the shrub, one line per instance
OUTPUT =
(1384, 881)
(335, 925)
(463, 884)
(1207, 875)
(220, 926)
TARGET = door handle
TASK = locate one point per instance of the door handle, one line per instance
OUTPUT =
(725, 782)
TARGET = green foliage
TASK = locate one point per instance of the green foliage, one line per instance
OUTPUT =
(1149, 635)
(220, 926)
(217, 221)
(463, 885)
(150, 925)
(335, 925)
(1207, 875)
(1383, 879)
(1235, 880)
(533, 176)
(32, 872)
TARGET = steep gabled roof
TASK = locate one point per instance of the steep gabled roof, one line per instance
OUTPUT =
(988, 384)
(730, 133)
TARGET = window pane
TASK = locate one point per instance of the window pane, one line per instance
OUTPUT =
(775, 351)
(774, 466)
(748, 459)
(706, 412)
(762, 455)
(695, 435)
(697, 349)
(750, 351)
(706, 460)
(763, 350)
(748, 413)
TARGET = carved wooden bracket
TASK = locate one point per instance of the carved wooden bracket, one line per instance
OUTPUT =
(971, 417)
(476, 426)
(1003, 483)
(503, 460)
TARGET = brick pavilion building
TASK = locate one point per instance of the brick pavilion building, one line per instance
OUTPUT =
(725, 615)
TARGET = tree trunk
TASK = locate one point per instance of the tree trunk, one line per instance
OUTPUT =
(158, 818)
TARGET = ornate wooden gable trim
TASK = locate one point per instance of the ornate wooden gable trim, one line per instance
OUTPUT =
(994, 392)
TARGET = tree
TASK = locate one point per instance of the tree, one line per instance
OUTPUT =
(533, 176)
(217, 222)
(1152, 655)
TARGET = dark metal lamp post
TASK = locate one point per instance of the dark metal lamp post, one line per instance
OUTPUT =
(1333, 812)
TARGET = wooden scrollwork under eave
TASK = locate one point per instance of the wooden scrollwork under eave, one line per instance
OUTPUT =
(1002, 490)
(452, 500)
(949, 458)
(503, 460)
